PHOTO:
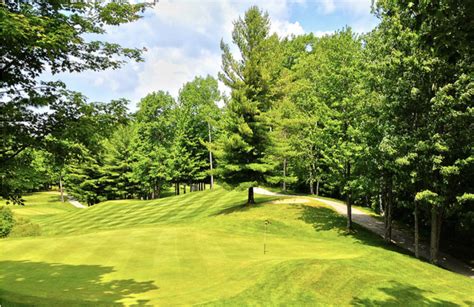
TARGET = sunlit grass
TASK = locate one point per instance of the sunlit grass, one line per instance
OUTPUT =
(207, 248)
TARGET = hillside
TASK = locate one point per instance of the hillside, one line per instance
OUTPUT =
(206, 248)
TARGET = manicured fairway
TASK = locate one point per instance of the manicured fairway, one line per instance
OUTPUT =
(40, 205)
(206, 248)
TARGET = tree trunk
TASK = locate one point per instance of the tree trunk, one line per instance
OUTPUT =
(349, 211)
(61, 188)
(184, 188)
(388, 209)
(417, 234)
(158, 191)
(283, 184)
(210, 156)
(251, 199)
(435, 231)
(317, 187)
(311, 187)
(438, 232)
(177, 188)
(349, 200)
(381, 211)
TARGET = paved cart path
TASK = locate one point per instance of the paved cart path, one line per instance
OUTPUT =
(75, 203)
(400, 237)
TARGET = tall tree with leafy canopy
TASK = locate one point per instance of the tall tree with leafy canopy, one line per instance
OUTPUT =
(241, 149)
(327, 84)
(426, 58)
(155, 131)
(39, 36)
(285, 116)
(198, 114)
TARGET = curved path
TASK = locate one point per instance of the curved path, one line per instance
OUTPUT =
(400, 237)
(75, 203)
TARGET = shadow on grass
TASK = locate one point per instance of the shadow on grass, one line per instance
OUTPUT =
(234, 208)
(403, 295)
(25, 283)
(56, 198)
(325, 219)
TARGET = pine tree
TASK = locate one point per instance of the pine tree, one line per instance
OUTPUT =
(117, 171)
(241, 149)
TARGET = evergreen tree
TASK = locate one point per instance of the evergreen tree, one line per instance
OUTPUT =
(83, 178)
(117, 172)
(152, 141)
(241, 149)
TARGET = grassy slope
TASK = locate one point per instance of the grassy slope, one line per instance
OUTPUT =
(41, 204)
(204, 248)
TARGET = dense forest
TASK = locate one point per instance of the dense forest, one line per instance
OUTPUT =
(383, 119)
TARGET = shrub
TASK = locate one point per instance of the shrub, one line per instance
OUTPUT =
(6, 221)
(25, 228)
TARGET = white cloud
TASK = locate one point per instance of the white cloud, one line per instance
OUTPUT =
(364, 25)
(359, 7)
(286, 28)
(169, 68)
(327, 6)
(182, 38)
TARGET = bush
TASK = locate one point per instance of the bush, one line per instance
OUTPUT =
(25, 228)
(6, 221)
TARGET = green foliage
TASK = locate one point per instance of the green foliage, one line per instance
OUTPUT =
(83, 163)
(326, 93)
(424, 77)
(152, 141)
(83, 179)
(6, 221)
(245, 140)
(196, 115)
(40, 36)
(428, 197)
(117, 172)
(24, 227)
(384, 119)
(45, 34)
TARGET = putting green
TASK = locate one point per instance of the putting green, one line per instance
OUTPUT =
(206, 248)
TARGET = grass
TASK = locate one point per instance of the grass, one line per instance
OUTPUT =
(206, 248)
(41, 204)
(364, 209)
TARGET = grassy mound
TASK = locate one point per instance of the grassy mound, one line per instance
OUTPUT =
(207, 248)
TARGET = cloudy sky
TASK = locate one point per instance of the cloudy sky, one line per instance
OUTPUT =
(182, 41)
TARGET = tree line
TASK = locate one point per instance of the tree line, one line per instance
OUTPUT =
(382, 119)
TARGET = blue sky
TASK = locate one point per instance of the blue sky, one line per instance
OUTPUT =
(182, 41)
